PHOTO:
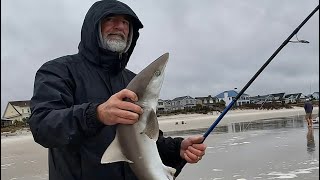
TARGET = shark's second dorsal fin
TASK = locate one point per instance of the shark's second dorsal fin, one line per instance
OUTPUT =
(114, 153)
(152, 126)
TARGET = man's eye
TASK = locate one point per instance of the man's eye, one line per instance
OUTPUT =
(125, 22)
(108, 19)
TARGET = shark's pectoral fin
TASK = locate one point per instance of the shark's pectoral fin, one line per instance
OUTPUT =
(152, 126)
(114, 153)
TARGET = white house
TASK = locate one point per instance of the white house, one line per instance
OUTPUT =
(315, 95)
(207, 101)
(17, 110)
(292, 98)
(228, 96)
(183, 102)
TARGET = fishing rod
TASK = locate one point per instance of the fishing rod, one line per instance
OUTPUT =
(210, 129)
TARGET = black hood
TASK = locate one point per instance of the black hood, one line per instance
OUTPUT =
(89, 45)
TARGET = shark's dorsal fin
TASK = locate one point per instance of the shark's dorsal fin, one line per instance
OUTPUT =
(152, 126)
(114, 153)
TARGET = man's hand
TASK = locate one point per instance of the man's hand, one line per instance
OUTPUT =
(192, 149)
(117, 111)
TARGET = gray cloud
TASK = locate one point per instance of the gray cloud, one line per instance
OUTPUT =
(213, 45)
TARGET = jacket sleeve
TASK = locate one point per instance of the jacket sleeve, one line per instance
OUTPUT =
(169, 150)
(55, 120)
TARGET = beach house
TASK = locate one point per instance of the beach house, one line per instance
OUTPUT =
(16, 111)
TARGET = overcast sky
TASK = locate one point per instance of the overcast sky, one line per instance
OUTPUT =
(214, 45)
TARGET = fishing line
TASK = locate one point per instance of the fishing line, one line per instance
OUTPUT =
(210, 129)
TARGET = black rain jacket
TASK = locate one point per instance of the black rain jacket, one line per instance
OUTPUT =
(67, 91)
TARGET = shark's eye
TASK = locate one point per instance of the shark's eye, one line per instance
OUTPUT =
(157, 73)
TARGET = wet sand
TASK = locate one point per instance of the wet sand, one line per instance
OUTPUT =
(282, 148)
(184, 122)
(22, 158)
(196, 121)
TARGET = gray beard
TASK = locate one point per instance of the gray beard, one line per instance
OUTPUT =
(114, 45)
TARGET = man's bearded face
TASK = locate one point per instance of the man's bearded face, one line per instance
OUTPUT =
(115, 32)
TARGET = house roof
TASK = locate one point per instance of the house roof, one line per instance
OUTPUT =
(231, 93)
(6, 119)
(20, 103)
(205, 97)
(261, 96)
(297, 95)
(278, 95)
(15, 104)
(182, 97)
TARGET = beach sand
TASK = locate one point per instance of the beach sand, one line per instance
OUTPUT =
(197, 121)
(184, 122)
(22, 158)
(23, 134)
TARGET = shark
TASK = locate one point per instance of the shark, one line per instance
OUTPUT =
(136, 144)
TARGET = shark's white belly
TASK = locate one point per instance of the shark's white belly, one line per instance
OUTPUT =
(149, 158)
(143, 152)
(136, 143)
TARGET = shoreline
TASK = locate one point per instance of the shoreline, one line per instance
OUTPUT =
(21, 133)
(182, 122)
(198, 121)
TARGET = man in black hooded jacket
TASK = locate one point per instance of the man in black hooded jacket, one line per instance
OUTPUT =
(78, 101)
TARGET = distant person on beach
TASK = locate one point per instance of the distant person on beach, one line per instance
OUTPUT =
(308, 107)
(78, 100)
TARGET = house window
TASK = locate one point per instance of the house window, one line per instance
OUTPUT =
(22, 110)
